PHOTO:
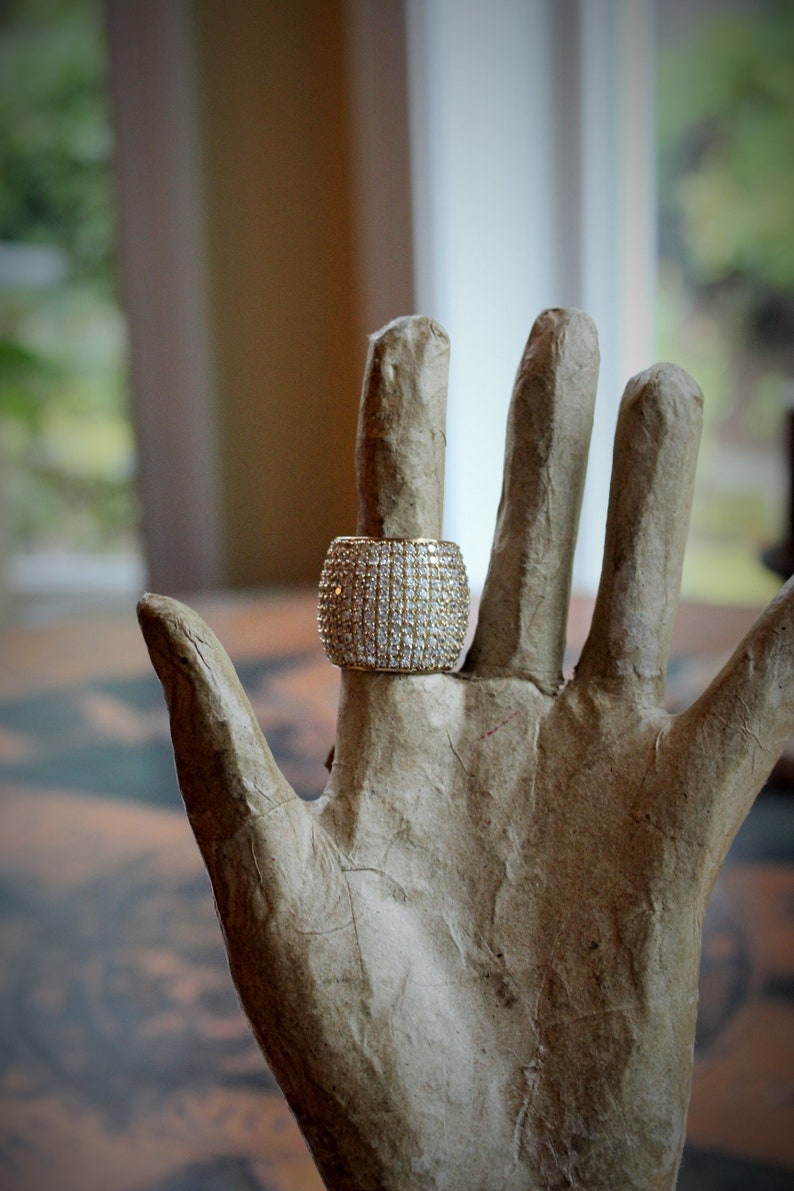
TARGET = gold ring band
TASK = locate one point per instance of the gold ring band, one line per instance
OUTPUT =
(393, 604)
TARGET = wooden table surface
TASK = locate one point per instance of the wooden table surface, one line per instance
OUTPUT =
(125, 1063)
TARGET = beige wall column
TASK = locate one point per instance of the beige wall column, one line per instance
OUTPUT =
(290, 160)
(275, 122)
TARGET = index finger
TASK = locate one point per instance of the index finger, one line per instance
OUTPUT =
(401, 440)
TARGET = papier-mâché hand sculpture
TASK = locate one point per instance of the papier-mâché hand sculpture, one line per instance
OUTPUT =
(473, 964)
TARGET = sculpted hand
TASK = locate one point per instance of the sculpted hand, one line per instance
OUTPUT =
(473, 964)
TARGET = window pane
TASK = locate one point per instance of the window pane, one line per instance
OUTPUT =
(67, 445)
(726, 277)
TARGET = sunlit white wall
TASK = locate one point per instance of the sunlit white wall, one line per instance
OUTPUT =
(531, 128)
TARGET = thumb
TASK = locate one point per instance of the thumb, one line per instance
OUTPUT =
(226, 771)
(741, 723)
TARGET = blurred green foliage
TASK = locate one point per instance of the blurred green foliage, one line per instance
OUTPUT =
(64, 432)
(725, 104)
(726, 143)
(55, 142)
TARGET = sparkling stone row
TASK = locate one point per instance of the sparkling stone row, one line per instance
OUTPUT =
(392, 604)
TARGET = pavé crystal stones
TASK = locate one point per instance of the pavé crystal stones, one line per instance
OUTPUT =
(393, 604)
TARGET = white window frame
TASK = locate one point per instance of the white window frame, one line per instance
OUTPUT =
(532, 133)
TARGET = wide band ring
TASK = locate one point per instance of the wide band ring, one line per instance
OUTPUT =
(393, 604)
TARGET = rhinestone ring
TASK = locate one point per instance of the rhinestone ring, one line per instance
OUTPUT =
(393, 604)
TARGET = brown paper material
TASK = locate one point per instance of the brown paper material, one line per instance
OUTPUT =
(473, 965)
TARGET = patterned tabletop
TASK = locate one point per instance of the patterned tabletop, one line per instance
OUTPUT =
(125, 1062)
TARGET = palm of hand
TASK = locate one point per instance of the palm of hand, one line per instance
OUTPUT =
(474, 963)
